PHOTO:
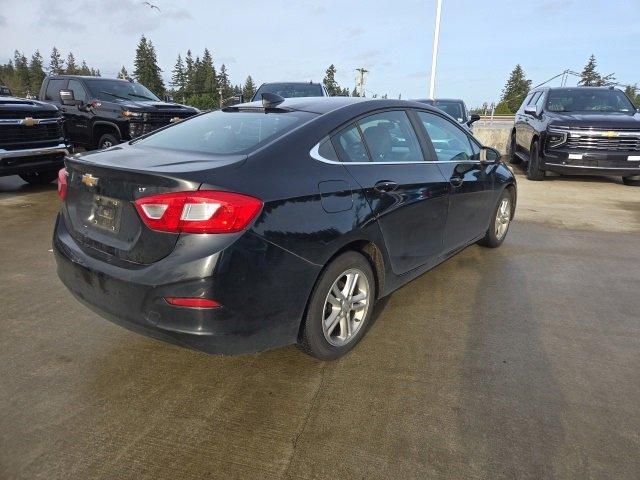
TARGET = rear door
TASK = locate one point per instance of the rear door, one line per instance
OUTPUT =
(407, 195)
(471, 182)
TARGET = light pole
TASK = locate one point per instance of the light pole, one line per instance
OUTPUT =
(434, 56)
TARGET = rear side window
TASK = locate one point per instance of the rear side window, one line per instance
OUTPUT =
(226, 133)
(449, 141)
(390, 137)
(350, 145)
(53, 89)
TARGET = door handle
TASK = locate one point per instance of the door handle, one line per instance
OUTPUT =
(456, 181)
(385, 186)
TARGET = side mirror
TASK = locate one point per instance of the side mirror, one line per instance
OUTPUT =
(489, 155)
(531, 110)
(67, 98)
(474, 118)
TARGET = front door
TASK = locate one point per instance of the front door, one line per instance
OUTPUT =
(407, 195)
(77, 117)
(471, 181)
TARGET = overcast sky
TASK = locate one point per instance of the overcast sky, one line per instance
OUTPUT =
(481, 40)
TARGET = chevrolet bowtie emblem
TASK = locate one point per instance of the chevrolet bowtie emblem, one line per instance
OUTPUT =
(610, 134)
(175, 119)
(30, 121)
(89, 180)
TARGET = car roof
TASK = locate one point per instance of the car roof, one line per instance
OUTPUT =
(577, 87)
(297, 82)
(89, 77)
(323, 105)
(439, 100)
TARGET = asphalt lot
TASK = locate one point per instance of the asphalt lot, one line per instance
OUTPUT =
(520, 362)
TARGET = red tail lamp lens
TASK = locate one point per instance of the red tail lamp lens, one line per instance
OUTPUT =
(62, 183)
(192, 302)
(202, 211)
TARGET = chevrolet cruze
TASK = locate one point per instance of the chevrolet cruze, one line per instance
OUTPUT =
(276, 222)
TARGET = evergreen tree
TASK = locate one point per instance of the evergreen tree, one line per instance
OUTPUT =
(36, 72)
(178, 78)
(22, 80)
(198, 76)
(591, 77)
(330, 83)
(515, 90)
(146, 69)
(210, 83)
(355, 93)
(95, 72)
(56, 64)
(84, 69)
(189, 73)
(72, 68)
(633, 94)
(123, 74)
(249, 89)
(224, 85)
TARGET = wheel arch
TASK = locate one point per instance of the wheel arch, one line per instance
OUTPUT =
(100, 127)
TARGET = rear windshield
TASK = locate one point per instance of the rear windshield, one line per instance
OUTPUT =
(290, 90)
(225, 133)
(588, 100)
(452, 108)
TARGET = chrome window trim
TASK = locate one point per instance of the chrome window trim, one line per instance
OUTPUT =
(314, 153)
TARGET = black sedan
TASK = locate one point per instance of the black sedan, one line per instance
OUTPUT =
(275, 223)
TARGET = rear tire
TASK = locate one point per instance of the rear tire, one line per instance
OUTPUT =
(533, 165)
(513, 158)
(500, 221)
(633, 181)
(39, 178)
(107, 140)
(338, 313)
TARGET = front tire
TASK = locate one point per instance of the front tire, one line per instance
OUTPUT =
(340, 307)
(533, 165)
(107, 140)
(500, 221)
(633, 181)
(39, 178)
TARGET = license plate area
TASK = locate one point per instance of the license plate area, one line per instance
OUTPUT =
(106, 213)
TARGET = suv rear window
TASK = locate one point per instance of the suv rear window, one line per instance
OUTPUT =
(226, 133)
(290, 90)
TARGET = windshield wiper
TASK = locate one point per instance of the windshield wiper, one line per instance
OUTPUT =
(113, 95)
(141, 96)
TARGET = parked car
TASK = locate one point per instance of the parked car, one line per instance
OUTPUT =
(102, 112)
(274, 223)
(291, 90)
(32, 141)
(454, 107)
(5, 91)
(577, 130)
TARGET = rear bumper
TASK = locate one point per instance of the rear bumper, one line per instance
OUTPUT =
(13, 162)
(254, 316)
(592, 163)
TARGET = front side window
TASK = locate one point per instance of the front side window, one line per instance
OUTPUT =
(78, 90)
(582, 99)
(390, 137)
(350, 145)
(226, 133)
(449, 141)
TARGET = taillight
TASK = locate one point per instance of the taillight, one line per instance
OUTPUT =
(62, 183)
(202, 211)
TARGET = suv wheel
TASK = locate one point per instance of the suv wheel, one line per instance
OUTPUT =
(533, 165)
(633, 181)
(513, 158)
(500, 221)
(340, 308)
(107, 140)
(39, 178)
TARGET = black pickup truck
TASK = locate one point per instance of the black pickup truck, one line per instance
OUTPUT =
(577, 130)
(102, 112)
(32, 140)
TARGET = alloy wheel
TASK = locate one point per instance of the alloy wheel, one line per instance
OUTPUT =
(503, 217)
(346, 307)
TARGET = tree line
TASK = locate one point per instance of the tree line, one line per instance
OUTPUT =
(518, 86)
(24, 76)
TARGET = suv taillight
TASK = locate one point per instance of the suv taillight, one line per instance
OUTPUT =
(202, 211)
(62, 183)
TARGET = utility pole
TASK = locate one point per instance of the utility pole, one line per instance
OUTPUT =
(434, 56)
(360, 80)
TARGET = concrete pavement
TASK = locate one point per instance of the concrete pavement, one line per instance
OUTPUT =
(520, 362)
